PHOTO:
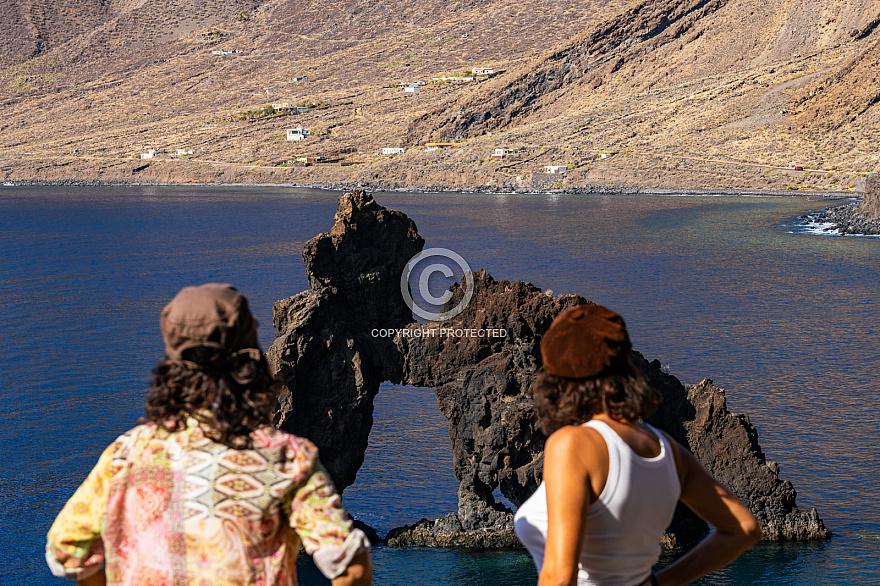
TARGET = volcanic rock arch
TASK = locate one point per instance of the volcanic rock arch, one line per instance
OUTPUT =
(333, 363)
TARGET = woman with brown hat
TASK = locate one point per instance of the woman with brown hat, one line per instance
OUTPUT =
(611, 482)
(206, 491)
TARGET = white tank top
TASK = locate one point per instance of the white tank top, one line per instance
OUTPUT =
(624, 525)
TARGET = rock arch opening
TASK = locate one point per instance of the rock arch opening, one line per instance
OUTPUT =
(407, 467)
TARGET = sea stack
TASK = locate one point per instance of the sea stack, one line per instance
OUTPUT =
(333, 365)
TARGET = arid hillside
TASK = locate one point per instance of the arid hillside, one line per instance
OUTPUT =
(655, 94)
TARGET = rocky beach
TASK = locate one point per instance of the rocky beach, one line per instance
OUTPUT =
(858, 218)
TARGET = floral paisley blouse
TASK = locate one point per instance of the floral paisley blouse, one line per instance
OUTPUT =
(167, 508)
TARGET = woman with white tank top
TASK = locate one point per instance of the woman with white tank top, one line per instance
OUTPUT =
(611, 482)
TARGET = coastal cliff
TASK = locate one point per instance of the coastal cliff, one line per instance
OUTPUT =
(333, 364)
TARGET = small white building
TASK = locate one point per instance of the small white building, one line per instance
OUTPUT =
(483, 71)
(555, 169)
(412, 89)
(297, 78)
(282, 105)
(182, 152)
(297, 133)
(149, 154)
(392, 151)
(501, 153)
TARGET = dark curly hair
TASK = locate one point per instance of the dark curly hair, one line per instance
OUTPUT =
(561, 401)
(231, 395)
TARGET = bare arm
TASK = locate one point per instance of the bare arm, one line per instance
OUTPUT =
(359, 572)
(567, 480)
(735, 528)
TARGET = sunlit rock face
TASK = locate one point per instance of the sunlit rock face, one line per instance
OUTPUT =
(332, 365)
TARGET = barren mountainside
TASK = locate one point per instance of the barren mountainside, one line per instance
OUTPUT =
(663, 43)
(654, 94)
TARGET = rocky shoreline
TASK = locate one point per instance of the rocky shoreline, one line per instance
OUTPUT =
(845, 219)
(857, 218)
(333, 362)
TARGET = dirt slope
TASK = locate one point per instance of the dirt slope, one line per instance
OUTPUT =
(846, 96)
(653, 94)
(655, 44)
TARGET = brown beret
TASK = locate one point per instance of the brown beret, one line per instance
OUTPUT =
(214, 315)
(584, 342)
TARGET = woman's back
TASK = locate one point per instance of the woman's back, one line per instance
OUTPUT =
(207, 492)
(610, 485)
(179, 508)
(625, 523)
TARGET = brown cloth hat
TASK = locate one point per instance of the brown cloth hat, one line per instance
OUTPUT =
(214, 315)
(584, 342)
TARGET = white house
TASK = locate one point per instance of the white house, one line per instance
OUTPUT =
(182, 152)
(412, 89)
(149, 154)
(297, 133)
(483, 71)
(297, 78)
(501, 153)
(282, 105)
(555, 169)
(392, 151)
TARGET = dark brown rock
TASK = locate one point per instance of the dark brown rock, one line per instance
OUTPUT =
(333, 365)
(449, 532)
(727, 446)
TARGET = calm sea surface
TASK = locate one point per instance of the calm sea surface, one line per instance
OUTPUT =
(729, 288)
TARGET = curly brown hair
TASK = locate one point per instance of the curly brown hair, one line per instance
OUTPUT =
(561, 401)
(231, 395)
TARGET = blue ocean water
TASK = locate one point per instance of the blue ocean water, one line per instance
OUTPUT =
(730, 288)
